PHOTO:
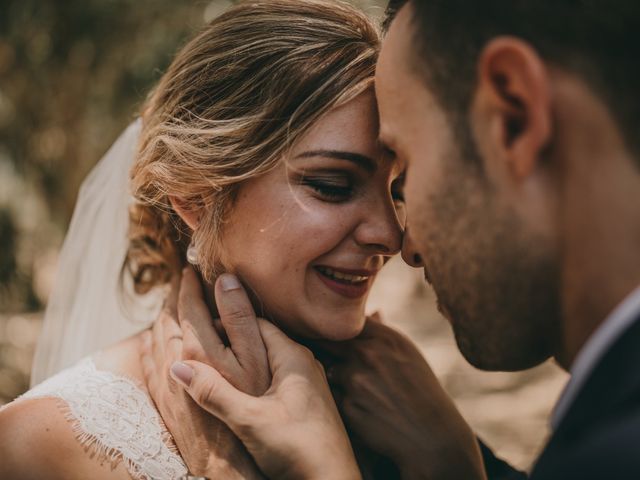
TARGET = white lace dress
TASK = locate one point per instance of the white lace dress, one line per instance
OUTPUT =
(115, 418)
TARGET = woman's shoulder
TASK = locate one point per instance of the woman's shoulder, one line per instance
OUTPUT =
(38, 441)
(100, 411)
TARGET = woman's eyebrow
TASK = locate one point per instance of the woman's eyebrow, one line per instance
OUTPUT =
(362, 161)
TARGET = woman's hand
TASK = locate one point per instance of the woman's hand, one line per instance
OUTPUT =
(206, 444)
(294, 429)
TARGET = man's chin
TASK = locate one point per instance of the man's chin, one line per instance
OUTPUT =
(491, 357)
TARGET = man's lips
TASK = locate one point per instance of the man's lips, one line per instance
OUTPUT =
(350, 283)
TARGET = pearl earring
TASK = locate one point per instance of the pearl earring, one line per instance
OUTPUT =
(192, 253)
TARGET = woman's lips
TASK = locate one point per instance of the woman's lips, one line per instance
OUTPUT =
(343, 286)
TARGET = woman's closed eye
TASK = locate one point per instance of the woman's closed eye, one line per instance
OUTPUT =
(333, 189)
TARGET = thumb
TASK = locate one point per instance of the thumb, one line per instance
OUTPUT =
(283, 353)
(273, 337)
(211, 391)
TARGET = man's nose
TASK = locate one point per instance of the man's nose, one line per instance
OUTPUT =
(409, 252)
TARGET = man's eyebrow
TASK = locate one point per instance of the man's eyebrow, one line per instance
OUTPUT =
(362, 161)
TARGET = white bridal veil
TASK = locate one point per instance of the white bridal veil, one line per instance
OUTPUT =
(85, 311)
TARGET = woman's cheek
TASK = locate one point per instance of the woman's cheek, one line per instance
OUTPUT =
(326, 225)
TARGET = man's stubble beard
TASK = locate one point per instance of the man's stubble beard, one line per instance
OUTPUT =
(497, 282)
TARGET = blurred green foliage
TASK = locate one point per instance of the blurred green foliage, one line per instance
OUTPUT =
(72, 75)
(7, 244)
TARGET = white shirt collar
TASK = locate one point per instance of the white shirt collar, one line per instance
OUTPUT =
(593, 350)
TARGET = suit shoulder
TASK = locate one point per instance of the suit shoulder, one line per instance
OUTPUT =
(606, 450)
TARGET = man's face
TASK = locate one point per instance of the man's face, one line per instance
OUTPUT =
(496, 281)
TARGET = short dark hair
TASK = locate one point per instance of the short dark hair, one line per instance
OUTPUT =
(596, 39)
(390, 13)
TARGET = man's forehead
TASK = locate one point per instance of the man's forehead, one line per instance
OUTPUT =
(393, 71)
(400, 34)
(396, 47)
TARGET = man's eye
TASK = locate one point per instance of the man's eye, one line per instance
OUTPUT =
(397, 189)
(398, 196)
(330, 190)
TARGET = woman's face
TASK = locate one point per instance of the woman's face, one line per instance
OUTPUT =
(309, 237)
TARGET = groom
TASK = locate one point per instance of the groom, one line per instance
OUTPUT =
(520, 125)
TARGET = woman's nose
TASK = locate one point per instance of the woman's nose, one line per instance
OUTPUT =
(410, 253)
(381, 230)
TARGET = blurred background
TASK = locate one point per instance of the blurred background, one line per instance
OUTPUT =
(72, 75)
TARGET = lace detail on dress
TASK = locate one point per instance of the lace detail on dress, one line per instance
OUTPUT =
(112, 415)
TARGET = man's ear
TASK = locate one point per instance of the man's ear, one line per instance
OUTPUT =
(513, 102)
(188, 215)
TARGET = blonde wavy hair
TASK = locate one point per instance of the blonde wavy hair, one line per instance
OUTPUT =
(229, 107)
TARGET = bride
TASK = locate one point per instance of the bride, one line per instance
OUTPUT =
(255, 154)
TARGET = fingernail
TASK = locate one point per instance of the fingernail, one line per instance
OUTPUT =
(182, 373)
(229, 282)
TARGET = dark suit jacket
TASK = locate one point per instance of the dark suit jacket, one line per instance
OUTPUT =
(599, 437)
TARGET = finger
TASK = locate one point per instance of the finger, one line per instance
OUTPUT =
(169, 318)
(173, 338)
(192, 348)
(166, 337)
(167, 315)
(283, 353)
(274, 338)
(212, 392)
(217, 324)
(171, 300)
(221, 358)
(171, 334)
(193, 310)
(239, 321)
(160, 355)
